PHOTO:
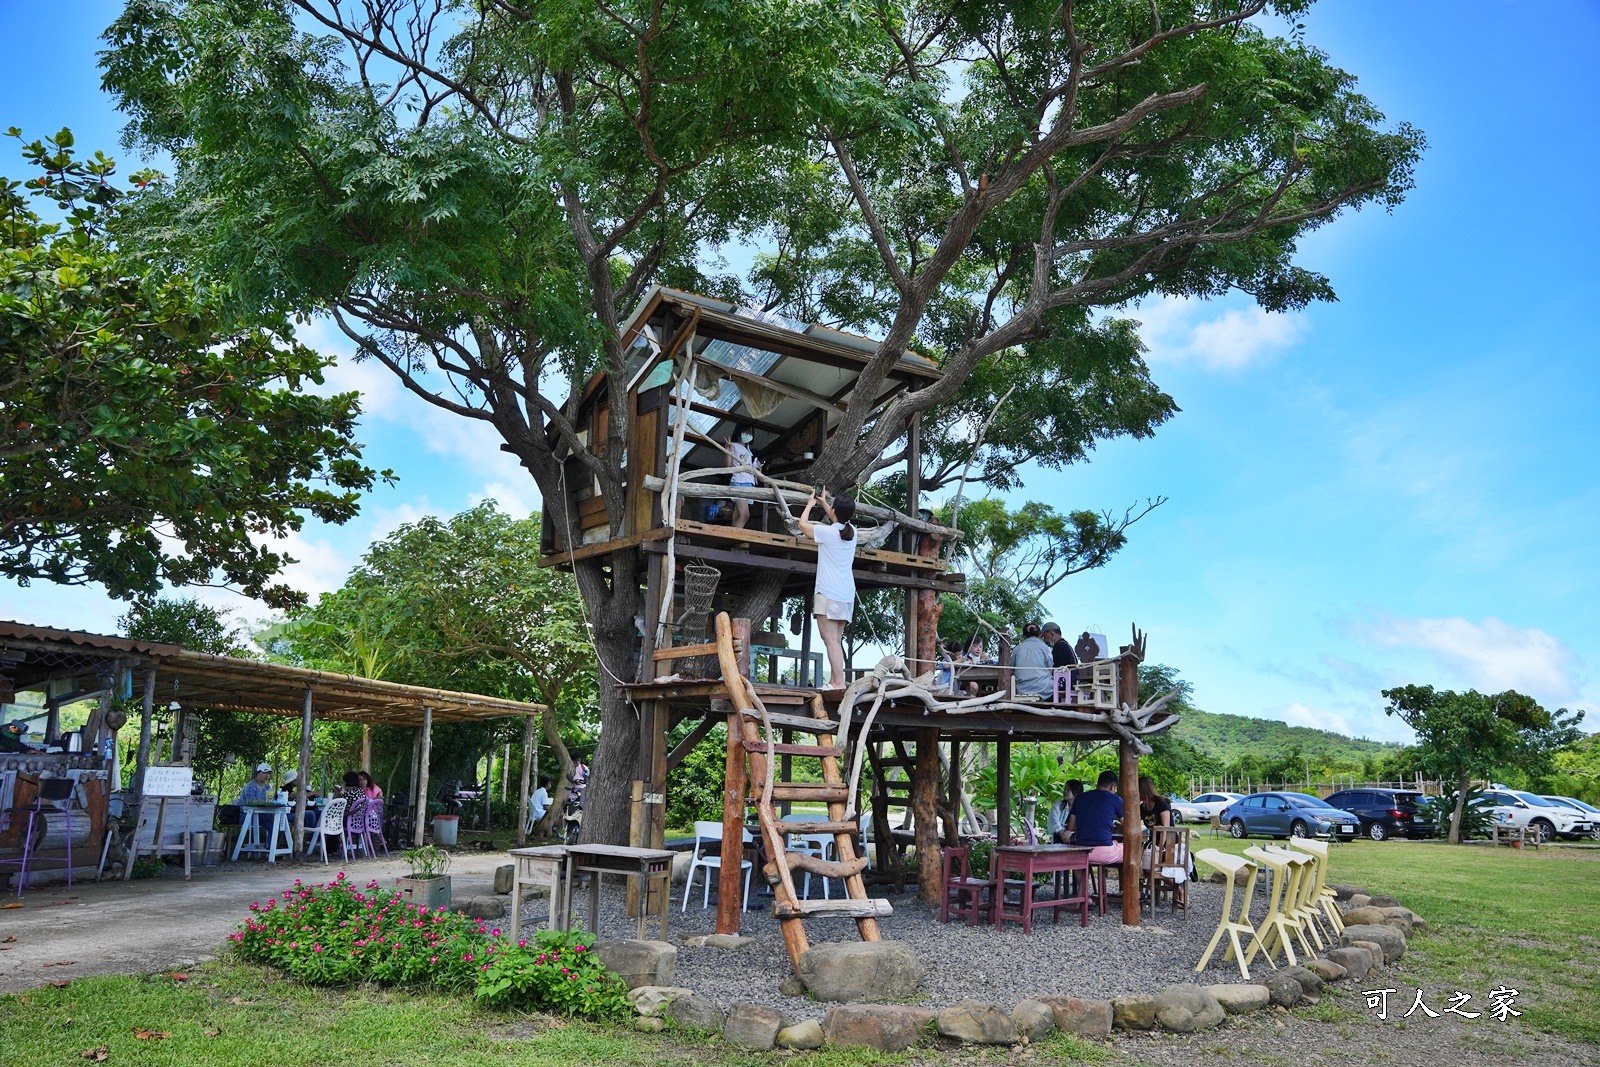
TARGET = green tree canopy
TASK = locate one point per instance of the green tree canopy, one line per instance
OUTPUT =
(1462, 736)
(480, 193)
(147, 437)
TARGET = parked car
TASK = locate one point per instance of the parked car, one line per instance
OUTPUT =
(1211, 804)
(1185, 811)
(1288, 815)
(1543, 817)
(1588, 809)
(1385, 813)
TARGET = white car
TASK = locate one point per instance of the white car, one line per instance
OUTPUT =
(1186, 811)
(1582, 808)
(1513, 807)
(1209, 804)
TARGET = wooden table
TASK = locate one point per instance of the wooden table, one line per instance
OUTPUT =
(544, 865)
(648, 864)
(1030, 860)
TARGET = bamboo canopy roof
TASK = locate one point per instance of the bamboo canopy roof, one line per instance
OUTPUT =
(31, 655)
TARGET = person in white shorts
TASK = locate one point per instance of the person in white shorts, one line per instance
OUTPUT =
(835, 602)
(738, 447)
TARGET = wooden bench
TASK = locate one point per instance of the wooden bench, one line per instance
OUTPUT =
(1513, 836)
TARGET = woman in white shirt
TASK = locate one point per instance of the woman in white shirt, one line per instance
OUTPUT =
(738, 447)
(835, 602)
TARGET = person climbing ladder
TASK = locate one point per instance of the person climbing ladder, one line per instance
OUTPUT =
(835, 601)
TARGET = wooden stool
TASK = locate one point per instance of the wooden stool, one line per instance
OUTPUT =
(1229, 926)
(545, 865)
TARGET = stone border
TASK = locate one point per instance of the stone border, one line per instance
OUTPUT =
(1375, 935)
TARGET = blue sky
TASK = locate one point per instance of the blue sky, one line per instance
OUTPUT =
(1397, 487)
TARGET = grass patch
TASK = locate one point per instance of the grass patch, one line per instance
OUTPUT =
(1496, 916)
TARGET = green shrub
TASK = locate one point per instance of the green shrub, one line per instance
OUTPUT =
(694, 787)
(337, 933)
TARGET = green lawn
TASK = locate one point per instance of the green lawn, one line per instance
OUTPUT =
(1523, 918)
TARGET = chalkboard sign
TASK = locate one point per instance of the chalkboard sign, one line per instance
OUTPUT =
(168, 781)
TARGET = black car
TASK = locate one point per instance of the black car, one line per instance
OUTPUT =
(1385, 813)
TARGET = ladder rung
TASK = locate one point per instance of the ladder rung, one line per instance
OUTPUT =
(792, 750)
(871, 908)
(794, 722)
(805, 791)
(805, 861)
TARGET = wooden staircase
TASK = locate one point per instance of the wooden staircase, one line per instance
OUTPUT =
(757, 744)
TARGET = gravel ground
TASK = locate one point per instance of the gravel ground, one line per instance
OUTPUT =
(963, 961)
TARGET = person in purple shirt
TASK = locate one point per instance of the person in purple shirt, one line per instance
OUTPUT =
(1093, 818)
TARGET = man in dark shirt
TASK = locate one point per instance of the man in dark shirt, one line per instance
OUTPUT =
(1061, 654)
(1093, 817)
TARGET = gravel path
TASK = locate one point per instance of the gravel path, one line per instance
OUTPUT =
(963, 961)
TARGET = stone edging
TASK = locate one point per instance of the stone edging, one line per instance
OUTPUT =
(1376, 930)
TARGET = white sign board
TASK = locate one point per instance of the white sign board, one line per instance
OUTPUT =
(168, 781)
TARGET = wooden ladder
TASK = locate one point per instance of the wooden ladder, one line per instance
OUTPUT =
(756, 750)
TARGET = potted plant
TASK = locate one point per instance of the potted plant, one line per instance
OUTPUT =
(428, 883)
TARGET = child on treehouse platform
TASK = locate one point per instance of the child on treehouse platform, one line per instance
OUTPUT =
(835, 601)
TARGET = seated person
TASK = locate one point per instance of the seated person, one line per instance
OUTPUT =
(945, 673)
(1093, 818)
(1031, 658)
(291, 785)
(255, 790)
(1061, 811)
(352, 791)
(1061, 654)
(370, 786)
(539, 802)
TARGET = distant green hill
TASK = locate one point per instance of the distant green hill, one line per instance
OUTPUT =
(1227, 737)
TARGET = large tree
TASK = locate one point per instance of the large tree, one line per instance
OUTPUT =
(147, 436)
(1463, 736)
(478, 193)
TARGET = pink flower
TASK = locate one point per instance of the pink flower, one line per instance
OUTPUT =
(467, 956)
(497, 931)
(523, 943)
(433, 959)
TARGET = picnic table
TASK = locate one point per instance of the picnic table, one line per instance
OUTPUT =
(1027, 861)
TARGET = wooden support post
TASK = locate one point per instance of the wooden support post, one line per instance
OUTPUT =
(1128, 758)
(802, 674)
(525, 790)
(145, 712)
(731, 883)
(925, 812)
(366, 747)
(888, 863)
(1132, 833)
(1002, 791)
(302, 776)
(638, 831)
(411, 779)
(914, 635)
(423, 755)
(952, 835)
(652, 617)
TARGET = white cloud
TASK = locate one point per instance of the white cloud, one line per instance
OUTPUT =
(515, 500)
(1176, 332)
(1491, 656)
(1297, 714)
(318, 568)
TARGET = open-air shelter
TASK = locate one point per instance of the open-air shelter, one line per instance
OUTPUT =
(69, 666)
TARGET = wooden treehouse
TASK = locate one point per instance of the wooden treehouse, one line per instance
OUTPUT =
(699, 367)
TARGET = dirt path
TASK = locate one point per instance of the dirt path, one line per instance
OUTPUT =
(165, 923)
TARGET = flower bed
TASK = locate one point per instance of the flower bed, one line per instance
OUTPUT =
(338, 933)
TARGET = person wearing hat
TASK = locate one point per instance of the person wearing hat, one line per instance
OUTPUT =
(255, 790)
(291, 785)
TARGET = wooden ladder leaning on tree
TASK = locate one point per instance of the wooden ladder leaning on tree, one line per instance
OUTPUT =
(755, 745)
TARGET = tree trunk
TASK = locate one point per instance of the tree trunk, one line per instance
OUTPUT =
(610, 590)
(558, 796)
(1462, 782)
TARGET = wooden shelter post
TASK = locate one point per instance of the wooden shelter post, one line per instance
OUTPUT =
(302, 775)
(730, 885)
(1128, 758)
(366, 747)
(523, 793)
(925, 813)
(1002, 790)
(411, 778)
(146, 710)
(422, 776)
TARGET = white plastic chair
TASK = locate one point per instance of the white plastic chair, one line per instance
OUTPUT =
(706, 832)
(331, 825)
(819, 845)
